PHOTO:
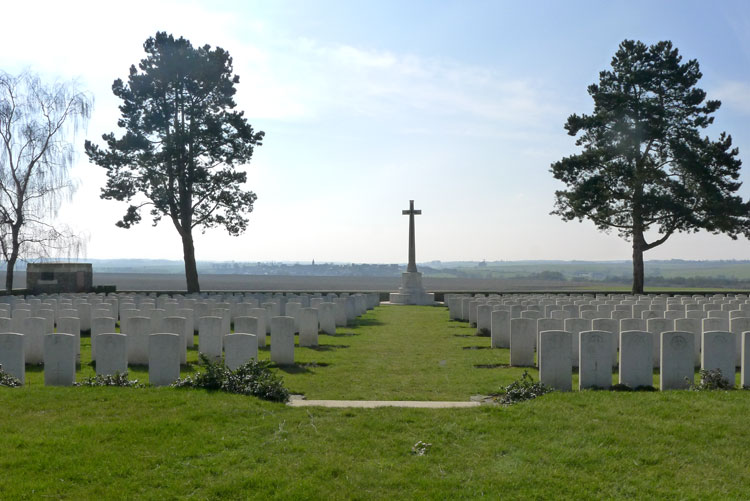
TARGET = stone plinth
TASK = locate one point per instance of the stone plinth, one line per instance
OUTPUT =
(411, 291)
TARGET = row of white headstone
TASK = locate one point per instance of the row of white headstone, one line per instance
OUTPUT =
(156, 330)
(712, 327)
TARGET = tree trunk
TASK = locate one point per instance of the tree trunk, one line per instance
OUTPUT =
(191, 270)
(638, 245)
(9, 274)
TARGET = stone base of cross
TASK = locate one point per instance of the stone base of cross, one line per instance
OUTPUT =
(411, 291)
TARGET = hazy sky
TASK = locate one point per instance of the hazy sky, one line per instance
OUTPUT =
(459, 105)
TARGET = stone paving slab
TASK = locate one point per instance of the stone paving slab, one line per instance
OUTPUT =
(371, 404)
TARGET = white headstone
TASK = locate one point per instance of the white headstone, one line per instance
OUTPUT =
(138, 329)
(718, 352)
(59, 359)
(71, 325)
(34, 329)
(555, 365)
(176, 325)
(596, 359)
(282, 340)
(327, 318)
(636, 353)
(677, 353)
(308, 331)
(11, 355)
(745, 368)
(210, 337)
(484, 320)
(164, 358)
(260, 314)
(113, 353)
(522, 341)
(239, 348)
(100, 325)
(500, 329)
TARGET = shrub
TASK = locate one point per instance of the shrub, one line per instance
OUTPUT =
(711, 379)
(115, 379)
(8, 380)
(255, 378)
(521, 390)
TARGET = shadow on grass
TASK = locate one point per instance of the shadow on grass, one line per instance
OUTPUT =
(477, 347)
(492, 366)
(293, 369)
(327, 347)
(341, 334)
(367, 322)
(463, 335)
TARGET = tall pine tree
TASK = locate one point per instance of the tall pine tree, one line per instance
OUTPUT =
(182, 142)
(645, 168)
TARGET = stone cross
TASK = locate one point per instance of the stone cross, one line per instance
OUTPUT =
(412, 267)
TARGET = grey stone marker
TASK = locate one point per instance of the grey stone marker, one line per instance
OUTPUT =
(595, 359)
(484, 319)
(113, 353)
(522, 341)
(59, 359)
(11, 355)
(327, 318)
(575, 326)
(138, 330)
(339, 310)
(692, 325)
(34, 330)
(210, 337)
(260, 315)
(718, 352)
(176, 325)
(677, 354)
(636, 353)
(547, 324)
(292, 310)
(500, 329)
(188, 315)
(656, 326)
(71, 325)
(164, 358)
(100, 325)
(745, 368)
(608, 325)
(555, 365)
(239, 348)
(282, 340)
(308, 327)
(737, 326)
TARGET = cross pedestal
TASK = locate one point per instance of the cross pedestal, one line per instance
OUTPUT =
(411, 290)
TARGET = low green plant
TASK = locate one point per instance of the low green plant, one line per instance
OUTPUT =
(521, 390)
(254, 378)
(8, 380)
(711, 379)
(115, 379)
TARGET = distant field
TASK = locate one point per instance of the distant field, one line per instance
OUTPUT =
(155, 282)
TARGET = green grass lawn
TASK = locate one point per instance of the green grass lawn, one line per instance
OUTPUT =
(163, 443)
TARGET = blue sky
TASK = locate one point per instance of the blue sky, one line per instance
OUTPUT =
(366, 105)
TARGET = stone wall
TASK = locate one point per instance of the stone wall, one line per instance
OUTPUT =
(59, 277)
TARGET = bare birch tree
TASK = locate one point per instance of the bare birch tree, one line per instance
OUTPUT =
(38, 123)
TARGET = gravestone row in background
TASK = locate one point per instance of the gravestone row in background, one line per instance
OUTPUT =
(675, 334)
(157, 330)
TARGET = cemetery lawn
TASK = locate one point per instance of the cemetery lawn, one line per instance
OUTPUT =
(156, 443)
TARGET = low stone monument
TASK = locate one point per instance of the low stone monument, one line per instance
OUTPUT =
(411, 290)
